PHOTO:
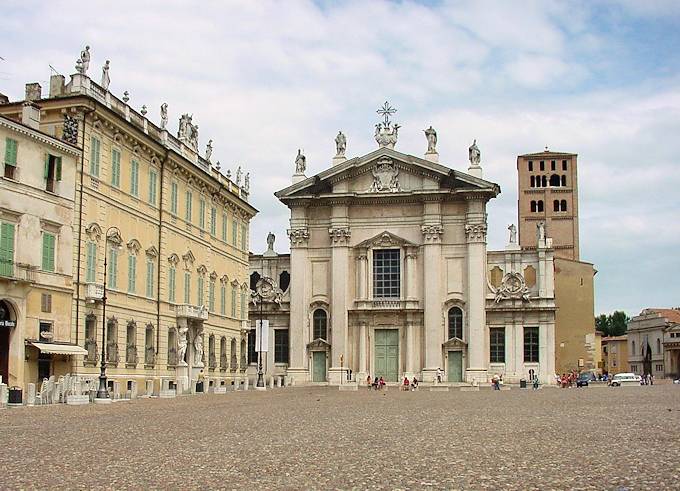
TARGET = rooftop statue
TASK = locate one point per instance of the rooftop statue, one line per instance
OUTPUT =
(474, 154)
(106, 79)
(208, 150)
(85, 59)
(300, 163)
(164, 115)
(431, 136)
(340, 144)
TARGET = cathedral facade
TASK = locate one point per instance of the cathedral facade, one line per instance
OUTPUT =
(390, 276)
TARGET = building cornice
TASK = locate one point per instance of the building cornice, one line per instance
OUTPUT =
(39, 136)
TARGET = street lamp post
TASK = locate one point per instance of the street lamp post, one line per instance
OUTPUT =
(260, 379)
(103, 392)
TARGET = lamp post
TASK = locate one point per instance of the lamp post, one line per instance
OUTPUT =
(103, 392)
(260, 379)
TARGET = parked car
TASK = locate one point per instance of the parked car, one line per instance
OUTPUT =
(625, 379)
(584, 378)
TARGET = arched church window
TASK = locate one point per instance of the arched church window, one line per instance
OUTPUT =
(555, 181)
(254, 278)
(320, 324)
(533, 206)
(539, 205)
(455, 323)
(563, 205)
(284, 280)
(556, 205)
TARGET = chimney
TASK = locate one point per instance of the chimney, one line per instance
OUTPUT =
(56, 85)
(3, 98)
(33, 91)
(30, 115)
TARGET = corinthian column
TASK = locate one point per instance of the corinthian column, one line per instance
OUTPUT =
(475, 231)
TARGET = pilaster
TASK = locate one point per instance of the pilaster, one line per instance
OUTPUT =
(299, 238)
(339, 234)
(432, 235)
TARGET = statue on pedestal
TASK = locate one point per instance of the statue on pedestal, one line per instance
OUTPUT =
(164, 115)
(85, 60)
(431, 136)
(106, 79)
(188, 132)
(198, 350)
(513, 233)
(300, 163)
(270, 241)
(246, 182)
(239, 175)
(340, 144)
(540, 231)
(208, 150)
(474, 155)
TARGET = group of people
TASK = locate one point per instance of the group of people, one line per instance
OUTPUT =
(412, 385)
(567, 379)
(378, 383)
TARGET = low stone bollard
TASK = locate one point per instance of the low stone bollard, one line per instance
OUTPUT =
(271, 382)
(3, 394)
(30, 395)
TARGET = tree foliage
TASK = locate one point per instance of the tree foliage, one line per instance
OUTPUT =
(614, 324)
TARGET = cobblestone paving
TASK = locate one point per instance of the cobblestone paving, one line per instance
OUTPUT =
(298, 438)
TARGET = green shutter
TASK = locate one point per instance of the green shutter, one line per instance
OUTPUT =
(115, 168)
(201, 211)
(91, 262)
(173, 198)
(171, 284)
(47, 166)
(113, 268)
(223, 299)
(224, 227)
(10, 152)
(58, 159)
(152, 187)
(187, 287)
(132, 273)
(149, 278)
(233, 301)
(199, 291)
(134, 178)
(7, 249)
(48, 252)
(187, 214)
(94, 156)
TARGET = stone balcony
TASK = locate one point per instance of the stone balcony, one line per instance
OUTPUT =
(191, 311)
(386, 304)
(17, 272)
(94, 293)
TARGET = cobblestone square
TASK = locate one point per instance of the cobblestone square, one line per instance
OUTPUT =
(321, 438)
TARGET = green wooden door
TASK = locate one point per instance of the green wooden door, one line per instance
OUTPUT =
(455, 372)
(318, 366)
(7, 250)
(387, 354)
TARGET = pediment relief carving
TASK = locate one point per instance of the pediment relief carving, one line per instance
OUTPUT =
(93, 231)
(385, 239)
(152, 252)
(134, 246)
(318, 345)
(455, 343)
(173, 259)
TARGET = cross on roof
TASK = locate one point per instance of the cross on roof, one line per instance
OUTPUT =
(386, 110)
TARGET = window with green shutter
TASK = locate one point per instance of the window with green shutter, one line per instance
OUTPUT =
(171, 284)
(211, 296)
(213, 221)
(7, 249)
(150, 271)
(48, 252)
(91, 272)
(132, 273)
(134, 178)
(115, 168)
(187, 209)
(95, 146)
(234, 232)
(223, 299)
(243, 305)
(187, 287)
(199, 291)
(233, 301)
(243, 237)
(152, 186)
(11, 152)
(201, 213)
(224, 227)
(112, 279)
(173, 198)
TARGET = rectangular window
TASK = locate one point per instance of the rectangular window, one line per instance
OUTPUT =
(95, 146)
(497, 344)
(531, 344)
(187, 287)
(52, 172)
(252, 353)
(234, 232)
(91, 262)
(281, 346)
(187, 209)
(113, 269)
(199, 291)
(115, 168)
(173, 198)
(134, 178)
(48, 252)
(152, 186)
(45, 331)
(223, 299)
(7, 249)
(243, 238)
(11, 152)
(213, 221)
(531, 166)
(211, 296)
(224, 227)
(386, 273)
(150, 272)
(171, 284)
(132, 273)
(46, 302)
(233, 301)
(201, 213)
(552, 165)
(243, 305)
(564, 165)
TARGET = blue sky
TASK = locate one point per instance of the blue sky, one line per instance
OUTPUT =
(601, 79)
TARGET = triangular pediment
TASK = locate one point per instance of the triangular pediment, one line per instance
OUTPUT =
(385, 239)
(386, 171)
(318, 344)
(454, 343)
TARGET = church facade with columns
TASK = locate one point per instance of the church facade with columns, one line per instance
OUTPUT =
(390, 275)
